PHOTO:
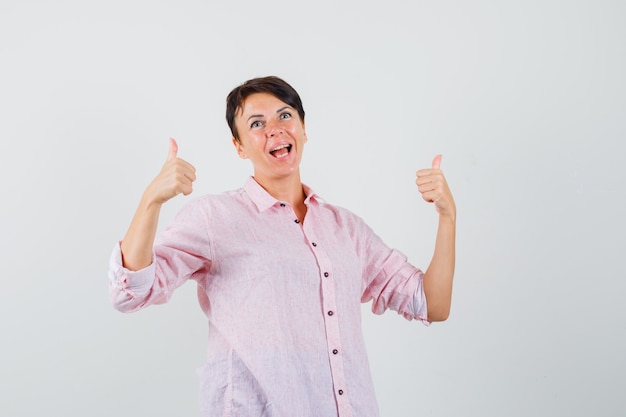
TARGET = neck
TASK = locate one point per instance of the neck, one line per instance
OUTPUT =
(288, 189)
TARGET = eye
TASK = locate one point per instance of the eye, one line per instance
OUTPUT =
(256, 123)
(285, 115)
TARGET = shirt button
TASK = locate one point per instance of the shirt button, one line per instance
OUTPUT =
(282, 204)
(297, 221)
(330, 313)
(326, 274)
(340, 392)
(335, 351)
(314, 244)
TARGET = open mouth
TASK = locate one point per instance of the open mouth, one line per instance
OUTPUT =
(281, 151)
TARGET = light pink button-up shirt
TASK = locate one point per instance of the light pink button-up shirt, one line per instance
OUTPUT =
(282, 298)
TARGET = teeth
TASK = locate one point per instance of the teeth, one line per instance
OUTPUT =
(279, 148)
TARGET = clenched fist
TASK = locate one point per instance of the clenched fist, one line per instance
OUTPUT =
(176, 177)
(433, 186)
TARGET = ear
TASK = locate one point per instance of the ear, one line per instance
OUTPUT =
(239, 147)
(306, 139)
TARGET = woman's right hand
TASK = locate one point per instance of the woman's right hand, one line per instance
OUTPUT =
(176, 177)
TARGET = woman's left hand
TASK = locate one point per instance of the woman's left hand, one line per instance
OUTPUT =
(433, 186)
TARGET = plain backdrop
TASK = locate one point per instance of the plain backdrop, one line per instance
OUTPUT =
(525, 100)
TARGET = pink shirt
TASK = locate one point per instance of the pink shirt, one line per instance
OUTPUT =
(282, 299)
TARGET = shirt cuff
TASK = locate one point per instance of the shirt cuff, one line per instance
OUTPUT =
(419, 302)
(136, 283)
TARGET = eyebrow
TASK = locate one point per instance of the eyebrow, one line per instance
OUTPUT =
(277, 111)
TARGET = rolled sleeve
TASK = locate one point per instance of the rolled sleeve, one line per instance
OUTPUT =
(179, 253)
(128, 287)
(389, 280)
(420, 307)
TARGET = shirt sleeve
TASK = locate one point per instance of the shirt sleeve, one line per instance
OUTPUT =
(419, 302)
(389, 280)
(180, 252)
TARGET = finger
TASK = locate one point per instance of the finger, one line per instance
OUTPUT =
(189, 174)
(189, 168)
(430, 199)
(437, 161)
(187, 189)
(425, 172)
(186, 185)
(425, 179)
(424, 188)
(185, 168)
(173, 149)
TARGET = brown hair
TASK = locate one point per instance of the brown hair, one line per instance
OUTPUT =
(271, 85)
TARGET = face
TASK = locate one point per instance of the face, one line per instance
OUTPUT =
(271, 135)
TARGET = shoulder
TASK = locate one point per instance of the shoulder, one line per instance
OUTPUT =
(212, 204)
(226, 197)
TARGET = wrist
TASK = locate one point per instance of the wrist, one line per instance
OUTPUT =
(149, 202)
(448, 218)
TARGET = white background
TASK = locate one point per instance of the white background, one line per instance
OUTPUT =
(526, 101)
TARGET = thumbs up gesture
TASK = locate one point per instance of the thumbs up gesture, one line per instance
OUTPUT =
(434, 189)
(176, 177)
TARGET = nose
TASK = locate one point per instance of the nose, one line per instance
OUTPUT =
(272, 129)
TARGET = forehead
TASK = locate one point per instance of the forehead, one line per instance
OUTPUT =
(260, 103)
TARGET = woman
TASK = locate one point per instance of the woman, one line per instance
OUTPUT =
(280, 273)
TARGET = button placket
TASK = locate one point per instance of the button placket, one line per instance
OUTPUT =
(333, 340)
(330, 317)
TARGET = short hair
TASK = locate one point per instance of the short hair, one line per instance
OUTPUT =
(271, 85)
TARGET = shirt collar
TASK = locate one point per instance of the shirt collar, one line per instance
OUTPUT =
(263, 200)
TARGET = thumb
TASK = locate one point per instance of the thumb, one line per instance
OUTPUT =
(437, 161)
(173, 149)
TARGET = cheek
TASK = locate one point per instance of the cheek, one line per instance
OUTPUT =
(297, 131)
